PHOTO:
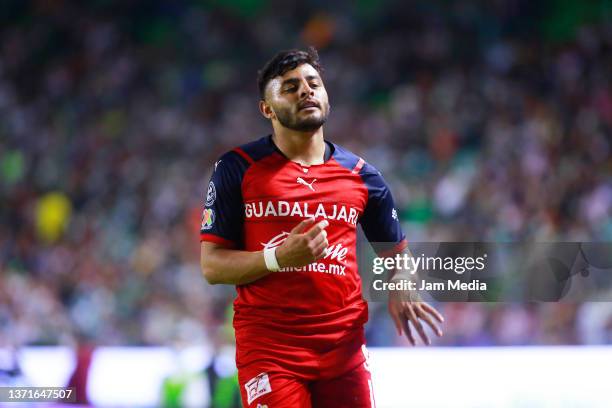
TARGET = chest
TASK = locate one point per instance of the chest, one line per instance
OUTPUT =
(278, 191)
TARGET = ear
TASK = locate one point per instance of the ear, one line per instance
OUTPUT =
(266, 110)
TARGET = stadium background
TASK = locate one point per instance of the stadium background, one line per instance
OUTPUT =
(491, 120)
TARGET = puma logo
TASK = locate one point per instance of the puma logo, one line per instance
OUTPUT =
(305, 183)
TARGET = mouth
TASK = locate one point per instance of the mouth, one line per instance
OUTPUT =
(308, 105)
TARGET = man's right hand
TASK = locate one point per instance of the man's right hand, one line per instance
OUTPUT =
(304, 244)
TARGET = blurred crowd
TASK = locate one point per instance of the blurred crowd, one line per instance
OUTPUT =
(491, 121)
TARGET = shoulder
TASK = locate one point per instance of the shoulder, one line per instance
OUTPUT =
(353, 162)
(346, 158)
(370, 175)
(241, 157)
(255, 150)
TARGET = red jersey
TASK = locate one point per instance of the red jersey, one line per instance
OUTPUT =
(298, 318)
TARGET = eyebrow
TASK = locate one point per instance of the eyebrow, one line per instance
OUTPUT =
(296, 80)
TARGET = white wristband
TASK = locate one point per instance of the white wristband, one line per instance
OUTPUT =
(270, 259)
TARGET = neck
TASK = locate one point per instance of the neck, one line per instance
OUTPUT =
(306, 148)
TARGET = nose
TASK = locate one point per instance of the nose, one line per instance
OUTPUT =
(306, 91)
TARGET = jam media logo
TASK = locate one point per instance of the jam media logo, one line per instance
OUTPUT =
(208, 219)
(257, 386)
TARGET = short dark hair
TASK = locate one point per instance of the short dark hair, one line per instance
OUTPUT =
(286, 61)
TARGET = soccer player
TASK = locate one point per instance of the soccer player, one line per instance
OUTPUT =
(280, 222)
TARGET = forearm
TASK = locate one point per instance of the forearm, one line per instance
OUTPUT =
(409, 274)
(409, 277)
(233, 267)
(236, 267)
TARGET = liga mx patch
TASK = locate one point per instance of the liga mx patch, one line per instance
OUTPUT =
(208, 219)
(257, 386)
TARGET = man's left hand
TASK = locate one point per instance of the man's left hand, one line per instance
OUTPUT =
(407, 312)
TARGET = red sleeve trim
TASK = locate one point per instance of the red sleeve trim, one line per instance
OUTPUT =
(358, 166)
(217, 240)
(399, 247)
(244, 155)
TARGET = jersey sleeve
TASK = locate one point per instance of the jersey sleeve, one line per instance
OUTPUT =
(222, 217)
(380, 221)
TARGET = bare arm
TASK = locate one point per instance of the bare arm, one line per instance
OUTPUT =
(237, 267)
(230, 266)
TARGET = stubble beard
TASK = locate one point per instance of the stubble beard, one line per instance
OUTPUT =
(308, 124)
